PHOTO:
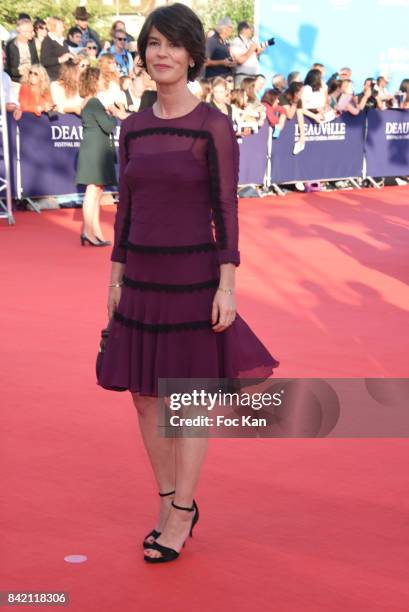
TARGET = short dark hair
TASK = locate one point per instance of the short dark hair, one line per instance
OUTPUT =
(179, 24)
(37, 23)
(243, 25)
(74, 30)
(314, 79)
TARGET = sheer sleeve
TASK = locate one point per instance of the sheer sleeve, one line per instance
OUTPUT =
(223, 158)
(123, 213)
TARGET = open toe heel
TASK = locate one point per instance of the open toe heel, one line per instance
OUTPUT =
(154, 533)
(167, 553)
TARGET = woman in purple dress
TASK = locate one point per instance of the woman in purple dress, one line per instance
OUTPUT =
(172, 294)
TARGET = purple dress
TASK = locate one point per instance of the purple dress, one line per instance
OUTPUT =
(176, 222)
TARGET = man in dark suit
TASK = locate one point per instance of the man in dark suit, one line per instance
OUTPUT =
(81, 21)
(54, 50)
(21, 51)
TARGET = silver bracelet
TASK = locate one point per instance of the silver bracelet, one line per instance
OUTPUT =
(116, 284)
(229, 291)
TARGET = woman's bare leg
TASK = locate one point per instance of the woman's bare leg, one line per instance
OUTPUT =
(190, 454)
(88, 211)
(96, 227)
(161, 453)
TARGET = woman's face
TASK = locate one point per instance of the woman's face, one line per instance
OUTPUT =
(41, 32)
(112, 66)
(33, 76)
(219, 94)
(91, 48)
(167, 62)
(298, 94)
(259, 83)
(230, 83)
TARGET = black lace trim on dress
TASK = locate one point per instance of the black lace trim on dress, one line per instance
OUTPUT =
(213, 166)
(147, 286)
(188, 133)
(126, 225)
(172, 250)
(161, 327)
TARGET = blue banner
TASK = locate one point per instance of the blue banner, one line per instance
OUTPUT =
(387, 144)
(374, 36)
(332, 150)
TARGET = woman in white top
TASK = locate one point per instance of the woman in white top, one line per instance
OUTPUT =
(65, 92)
(112, 93)
(254, 110)
(314, 95)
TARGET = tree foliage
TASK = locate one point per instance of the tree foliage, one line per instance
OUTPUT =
(213, 10)
(10, 9)
(210, 11)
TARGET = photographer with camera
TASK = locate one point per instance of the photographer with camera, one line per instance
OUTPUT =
(245, 51)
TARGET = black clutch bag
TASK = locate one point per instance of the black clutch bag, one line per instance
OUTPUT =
(100, 357)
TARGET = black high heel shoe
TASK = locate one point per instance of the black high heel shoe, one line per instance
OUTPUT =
(154, 533)
(170, 554)
(84, 239)
(104, 242)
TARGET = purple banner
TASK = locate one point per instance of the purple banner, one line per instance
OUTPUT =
(387, 144)
(49, 150)
(332, 150)
(253, 156)
(48, 153)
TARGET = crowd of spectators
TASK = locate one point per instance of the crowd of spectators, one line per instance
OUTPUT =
(44, 60)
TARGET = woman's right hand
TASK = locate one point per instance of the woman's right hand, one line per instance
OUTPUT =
(114, 296)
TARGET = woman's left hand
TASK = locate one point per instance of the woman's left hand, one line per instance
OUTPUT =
(223, 311)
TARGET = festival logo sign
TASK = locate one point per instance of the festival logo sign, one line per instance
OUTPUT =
(397, 130)
(322, 131)
(70, 136)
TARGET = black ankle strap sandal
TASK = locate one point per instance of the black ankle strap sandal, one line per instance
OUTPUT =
(154, 533)
(170, 554)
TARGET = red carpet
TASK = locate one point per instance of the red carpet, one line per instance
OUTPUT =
(288, 525)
